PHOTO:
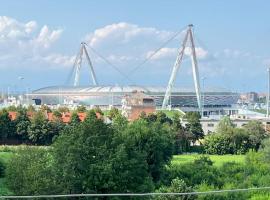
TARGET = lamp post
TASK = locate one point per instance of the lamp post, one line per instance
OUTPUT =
(268, 93)
(203, 93)
(22, 86)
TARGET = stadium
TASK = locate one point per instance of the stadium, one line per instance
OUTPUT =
(112, 95)
(109, 95)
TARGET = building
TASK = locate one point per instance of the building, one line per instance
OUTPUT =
(137, 103)
(210, 125)
(112, 96)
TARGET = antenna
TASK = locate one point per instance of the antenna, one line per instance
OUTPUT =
(179, 58)
(78, 63)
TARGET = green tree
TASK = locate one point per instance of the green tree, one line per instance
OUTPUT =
(45, 108)
(7, 128)
(113, 113)
(31, 108)
(90, 157)
(193, 125)
(155, 140)
(225, 126)
(63, 109)
(81, 109)
(256, 133)
(57, 115)
(75, 120)
(183, 137)
(98, 110)
(177, 186)
(217, 144)
(22, 123)
(30, 172)
(40, 131)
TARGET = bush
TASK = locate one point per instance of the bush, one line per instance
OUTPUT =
(30, 172)
(197, 172)
(217, 144)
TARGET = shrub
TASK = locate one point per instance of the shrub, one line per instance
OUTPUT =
(217, 144)
(30, 172)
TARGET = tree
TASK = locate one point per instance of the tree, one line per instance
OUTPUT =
(90, 157)
(113, 113)
(7, 128)
(193, 125)
(225, 126)
(22, 123)
(63, 109)
(155, 140)
(57, 115)
(81, 109)
(30, 172)
(256, 133)
(31, 108)
(98, 110)
(40, 131)
(45, 108)
(182, 136)
(177, 186)
(75, 120)
(217, 144)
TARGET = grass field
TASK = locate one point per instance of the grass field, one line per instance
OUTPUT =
(217, 159)
(5, 156)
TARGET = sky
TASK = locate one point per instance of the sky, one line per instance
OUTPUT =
(39, 41)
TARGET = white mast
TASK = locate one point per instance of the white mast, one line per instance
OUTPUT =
(78, 63)
(179, 58)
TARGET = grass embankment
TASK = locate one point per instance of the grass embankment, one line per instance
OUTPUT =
(217, 159)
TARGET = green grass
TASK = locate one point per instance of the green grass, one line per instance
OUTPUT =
(5, 156)
(217, 159)
(170, 113)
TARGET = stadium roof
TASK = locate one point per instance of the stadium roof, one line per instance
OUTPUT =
(122, 89)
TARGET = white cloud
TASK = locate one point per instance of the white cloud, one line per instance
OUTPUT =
(125, 33)
(169, 53)
(47, 37)
(129, 44)
(162, 53)
(59, 59)
(200, 52)
(25, 43)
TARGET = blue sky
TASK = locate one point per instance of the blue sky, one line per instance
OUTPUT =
(39, 40)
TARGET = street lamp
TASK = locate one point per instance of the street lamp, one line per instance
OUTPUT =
(268, 94)
(203, 89)
(21, 78)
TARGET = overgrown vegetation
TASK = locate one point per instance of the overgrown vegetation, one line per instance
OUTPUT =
(95, 157)
(231, 140)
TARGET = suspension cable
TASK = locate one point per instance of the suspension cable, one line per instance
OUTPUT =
(156, 51)
(108, 62)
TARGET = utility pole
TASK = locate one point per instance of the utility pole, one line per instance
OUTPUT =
(203, 97)
(268, 93)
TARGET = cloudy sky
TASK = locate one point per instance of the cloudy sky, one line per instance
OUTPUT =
(39, 41)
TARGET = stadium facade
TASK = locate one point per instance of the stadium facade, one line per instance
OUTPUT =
(113, 95)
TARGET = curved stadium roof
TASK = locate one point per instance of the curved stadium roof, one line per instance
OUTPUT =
(123, 89)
